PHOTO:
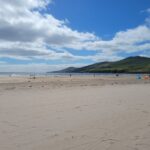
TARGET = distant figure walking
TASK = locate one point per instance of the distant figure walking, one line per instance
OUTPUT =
(138, 77)
(117, 75)
(70, 75)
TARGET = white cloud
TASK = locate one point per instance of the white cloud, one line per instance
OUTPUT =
(30, 4)
(25, 33)
(148, 10)
(25, 25)
(130, 37)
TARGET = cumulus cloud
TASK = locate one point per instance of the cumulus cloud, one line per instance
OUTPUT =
(148, 10)
(26, 33)
(129, 40)
(22, 28)
(30, 4)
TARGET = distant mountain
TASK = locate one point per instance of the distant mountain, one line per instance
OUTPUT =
(135, 64)
(67, 70)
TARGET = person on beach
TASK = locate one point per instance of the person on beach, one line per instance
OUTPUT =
(117, 75)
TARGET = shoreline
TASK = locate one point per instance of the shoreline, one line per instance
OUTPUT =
(64, 81)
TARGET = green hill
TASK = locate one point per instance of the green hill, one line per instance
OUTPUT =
(129, 65)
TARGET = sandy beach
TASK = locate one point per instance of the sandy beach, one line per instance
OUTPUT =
(77, 113)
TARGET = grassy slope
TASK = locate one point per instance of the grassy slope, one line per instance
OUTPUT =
(128, 65)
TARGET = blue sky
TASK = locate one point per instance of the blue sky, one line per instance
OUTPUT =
(104, 17)
(45, 35)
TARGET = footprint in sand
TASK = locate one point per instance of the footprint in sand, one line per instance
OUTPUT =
(55, 135)
(10, 88)
(137, 137)
(145, 112)
(148, 124)
(78, 108)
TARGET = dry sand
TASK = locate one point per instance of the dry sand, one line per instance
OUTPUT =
(79, 113)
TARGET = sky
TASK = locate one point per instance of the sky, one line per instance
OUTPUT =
(47, 35)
